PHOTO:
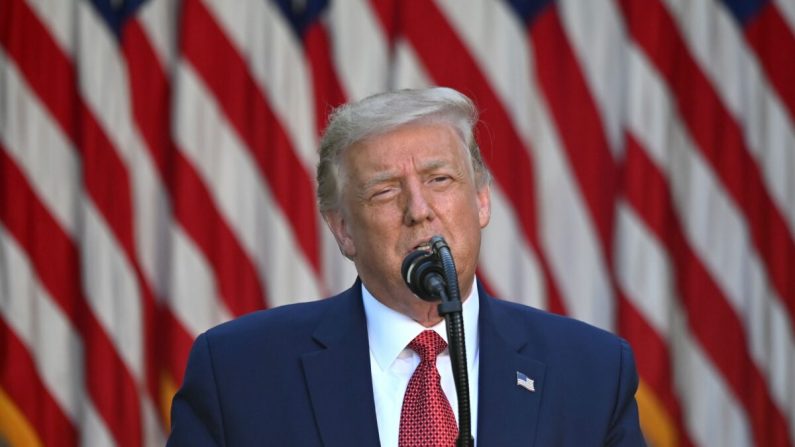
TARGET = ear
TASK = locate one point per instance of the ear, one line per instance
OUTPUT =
(339, 228)
(484, 205)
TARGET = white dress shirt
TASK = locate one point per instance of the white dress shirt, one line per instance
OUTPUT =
(392, 363)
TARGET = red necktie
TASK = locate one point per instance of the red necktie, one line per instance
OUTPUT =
(426, 418)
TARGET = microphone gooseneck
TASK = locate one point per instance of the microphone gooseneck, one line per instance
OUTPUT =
(432, 276)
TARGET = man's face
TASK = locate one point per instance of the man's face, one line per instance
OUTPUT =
(398, 190)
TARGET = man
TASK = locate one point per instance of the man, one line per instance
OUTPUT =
(396, 169)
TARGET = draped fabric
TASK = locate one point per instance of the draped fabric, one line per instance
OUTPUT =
(156, 178)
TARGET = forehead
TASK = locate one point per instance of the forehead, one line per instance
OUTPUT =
(433, 143)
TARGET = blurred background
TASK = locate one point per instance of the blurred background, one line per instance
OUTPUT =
(157, 178)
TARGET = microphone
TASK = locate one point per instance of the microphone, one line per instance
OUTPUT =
(423, 273)
(432, 276)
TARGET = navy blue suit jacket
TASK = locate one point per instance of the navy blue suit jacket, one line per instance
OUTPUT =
(299, 375)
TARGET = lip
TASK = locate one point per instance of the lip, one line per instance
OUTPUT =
(420, 244)
(424, 242)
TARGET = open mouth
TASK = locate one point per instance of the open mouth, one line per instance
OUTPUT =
(424, 246)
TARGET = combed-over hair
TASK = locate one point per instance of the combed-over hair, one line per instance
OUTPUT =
(383, 113)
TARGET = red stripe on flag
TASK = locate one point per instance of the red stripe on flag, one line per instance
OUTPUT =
(719, 139)
(774, 42)
(653, 360)
(388, 13)
(104, 174)
(38, 57)
(175, 346)
(578, 121)
(327, 89)
(226, 74)
(448, 61)
(235, 273)
(108, 183)
(57, 264)
(710, 317)
(105, 177)
(20, 379)
(150, 98)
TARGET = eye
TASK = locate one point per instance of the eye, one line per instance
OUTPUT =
(440, 179)
(382, 193)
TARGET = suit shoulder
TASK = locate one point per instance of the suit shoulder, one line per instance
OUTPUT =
(284, 322)
(553, 329)
(282, 315)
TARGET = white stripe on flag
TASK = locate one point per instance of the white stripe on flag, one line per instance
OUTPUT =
(240, 192)
(39, 147)
(193, 295)
(56, 348)
(712, 415)
(408, 71)
(596, 32)
(160, 19)
(505, 260)
(275, 59)
(112, 290)
(59, 19)
(643, 271)
(563, 219)
(787, 10)
(733, 70)
(694, 184)
(101, 70)
(360, 48)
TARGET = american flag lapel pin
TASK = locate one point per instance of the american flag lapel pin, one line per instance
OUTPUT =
(525, 382)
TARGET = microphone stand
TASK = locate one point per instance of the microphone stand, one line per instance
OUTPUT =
(450, 308)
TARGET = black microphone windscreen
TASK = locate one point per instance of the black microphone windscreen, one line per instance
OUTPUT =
(416, 269)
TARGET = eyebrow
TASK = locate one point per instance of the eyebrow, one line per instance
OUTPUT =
(387, 176)
(381, 177)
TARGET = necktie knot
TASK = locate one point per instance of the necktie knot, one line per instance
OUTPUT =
(428, 345)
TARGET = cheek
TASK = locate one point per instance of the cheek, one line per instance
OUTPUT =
(376, 222)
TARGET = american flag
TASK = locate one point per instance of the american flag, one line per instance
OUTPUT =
(525, 382)
(156, 178)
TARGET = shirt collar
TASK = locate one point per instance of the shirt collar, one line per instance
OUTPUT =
(389, 331)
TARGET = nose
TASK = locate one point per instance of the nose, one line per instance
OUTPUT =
(417, 208)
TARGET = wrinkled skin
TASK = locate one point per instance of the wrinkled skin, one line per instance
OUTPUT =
(398, 190)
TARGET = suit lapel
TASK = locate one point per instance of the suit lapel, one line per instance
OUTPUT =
(507, 412)
(339, 380)
(338, 377)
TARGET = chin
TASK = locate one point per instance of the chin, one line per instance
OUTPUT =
(431, 317)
